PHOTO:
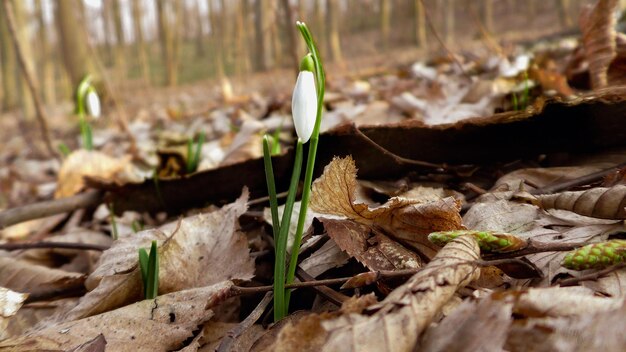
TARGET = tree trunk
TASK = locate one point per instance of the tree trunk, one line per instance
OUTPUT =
(120, 55)
(319, 24)
(46, 62)
(488, 15)
(242, 56)
(217, 39)
(106, 27)
(199, 31)
(332, 11)
(420, 24)
(73, 40)
(168, 49)
(140, 44)
(294, 43)
(565, 14)
(21, 32)
(263, 35)
(10, 85)
(448, 9)
(385, 22)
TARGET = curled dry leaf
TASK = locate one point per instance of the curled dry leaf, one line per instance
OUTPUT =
(204, 250)
(396, 323)
(599, 202)
(403, 219)
(36, 280)
(160, 324)
(10, 303)
(88, 163)
(329, 256)
(369, 246)
(598, 27)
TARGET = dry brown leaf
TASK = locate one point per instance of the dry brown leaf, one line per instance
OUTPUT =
(561, 302)
(160, 324)
(598, 331)
(10, 303)
(472, 326)
(36, 280)
(404, 219)
(396, 323)
(31, 314)
(598, 202)
(369, 246)
(246, 144)
(329, 256)
(206, 249)
(598, 27)
(88, 163)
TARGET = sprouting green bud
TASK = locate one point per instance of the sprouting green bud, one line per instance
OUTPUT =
(307, 63)
(596, 256)
(488, 241)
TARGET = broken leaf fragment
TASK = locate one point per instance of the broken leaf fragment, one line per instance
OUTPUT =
(407, 220)
(10, 303)
(488, 241)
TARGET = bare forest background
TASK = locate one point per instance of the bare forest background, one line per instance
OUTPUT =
(135, 46)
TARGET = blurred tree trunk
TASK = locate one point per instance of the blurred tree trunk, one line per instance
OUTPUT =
(199, 31)
(46, 62)
(218, 40)
(420, 24)
(449, 14)
(120, 54)
(332, 12)
(565, 14)
(73, 40)
(274, 24)
(106, 27)
(319, 24)
(243, 55)
(292, 34)
(263, 35)
(385, 22)
(487, 14)
(9, 68)
(168, 45)
(22, 29)
(140, 44)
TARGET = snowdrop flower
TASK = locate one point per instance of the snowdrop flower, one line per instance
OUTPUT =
(304, 100)
(92, 103)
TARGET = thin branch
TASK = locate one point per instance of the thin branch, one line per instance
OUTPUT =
(590, 277)
(53, 245)
(242, 327)
(536, 247)
(579, 181)
(28, 77)
(42, 209)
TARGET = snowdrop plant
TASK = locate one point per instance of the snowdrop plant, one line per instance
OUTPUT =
(87, 103)
(149, 267)
(306, 106)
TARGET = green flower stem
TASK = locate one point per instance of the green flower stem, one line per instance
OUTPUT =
(271, 187)
(308, 175)
(280, 308)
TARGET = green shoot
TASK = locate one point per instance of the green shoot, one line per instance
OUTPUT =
(276, 140)
(149, 266)
(193, 155)
(64, 149)
(114, 233)
(136, 226)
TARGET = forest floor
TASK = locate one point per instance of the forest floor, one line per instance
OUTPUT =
(473, 201)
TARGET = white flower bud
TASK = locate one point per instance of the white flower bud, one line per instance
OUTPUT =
(92, 103)
(304, 105)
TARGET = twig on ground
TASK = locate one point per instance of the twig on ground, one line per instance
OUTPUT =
(52, 245)
(535, 247)
(590, 277)
(42, 209)
(238, 330)
(580, 181)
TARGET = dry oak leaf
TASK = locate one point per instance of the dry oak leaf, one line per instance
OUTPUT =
(599, 39)
(205, 249)
(395, 324)
(369, 246)
(160, 324)
(403, 219)
(36, 280)
(29, 316)
(598, 202)
(89, 163)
